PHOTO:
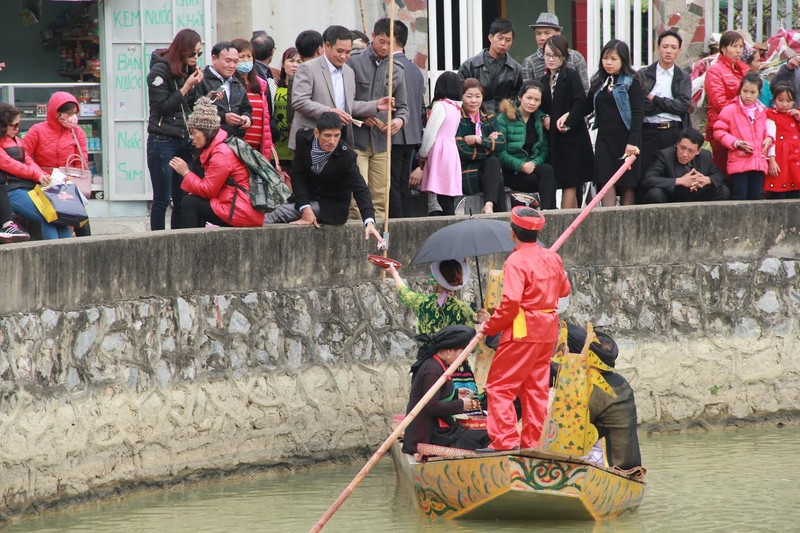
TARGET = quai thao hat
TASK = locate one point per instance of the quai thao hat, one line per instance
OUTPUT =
(546, 20)
(527, 218)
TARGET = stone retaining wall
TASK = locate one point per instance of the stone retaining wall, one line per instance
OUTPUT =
(154, 358)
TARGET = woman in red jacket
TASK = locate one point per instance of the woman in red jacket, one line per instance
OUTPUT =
(259, 134)
(51, 143)
(221, 197)
(21, 174)
(722, 87)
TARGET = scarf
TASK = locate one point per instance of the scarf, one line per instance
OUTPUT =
(319, 157)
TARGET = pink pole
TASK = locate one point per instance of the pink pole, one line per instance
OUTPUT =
(395, 434)
(626, 166)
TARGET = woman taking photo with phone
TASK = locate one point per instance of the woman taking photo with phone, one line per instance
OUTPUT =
(171, 86)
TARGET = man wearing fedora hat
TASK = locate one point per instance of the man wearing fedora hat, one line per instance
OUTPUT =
(533, 67)
(499, 73)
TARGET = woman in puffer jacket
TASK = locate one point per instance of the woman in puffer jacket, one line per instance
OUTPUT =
(172, 90)
(221, 197)
(523, 161)
(20, 174)
(51, 143)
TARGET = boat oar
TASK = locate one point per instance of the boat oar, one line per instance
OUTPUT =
(626, 166)
(396, 433)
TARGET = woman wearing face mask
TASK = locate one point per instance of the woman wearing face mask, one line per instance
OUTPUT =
(172, 90)
(20, 174)
(259, 134)
(53, 142)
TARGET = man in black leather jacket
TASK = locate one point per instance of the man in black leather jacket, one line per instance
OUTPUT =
(235, 111)
(499, 74)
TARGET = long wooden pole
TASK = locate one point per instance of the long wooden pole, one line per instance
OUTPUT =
(396, 433)
(387, 185)
(626, 166)
(363, 17)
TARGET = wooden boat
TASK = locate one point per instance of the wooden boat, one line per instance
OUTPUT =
(555, 482)
(520, 485)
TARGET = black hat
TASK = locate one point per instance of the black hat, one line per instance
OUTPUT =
(448, 337)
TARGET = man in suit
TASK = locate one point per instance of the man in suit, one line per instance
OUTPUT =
(409, 138)
(371, 68)
(669, 94)
(684, 173)
(327, 83)
(325, 177)
(235, 111)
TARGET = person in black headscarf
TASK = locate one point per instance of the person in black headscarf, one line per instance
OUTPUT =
(614, 417)
(435, 424)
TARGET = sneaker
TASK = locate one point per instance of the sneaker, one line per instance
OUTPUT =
(12, 233)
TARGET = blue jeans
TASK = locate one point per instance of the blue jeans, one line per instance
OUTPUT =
(747, 185)
(166, 182)
(22, 205)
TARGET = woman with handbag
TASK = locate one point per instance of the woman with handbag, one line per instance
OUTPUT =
(21, 174)
(59, 142)
(171, 87)
(221, 197)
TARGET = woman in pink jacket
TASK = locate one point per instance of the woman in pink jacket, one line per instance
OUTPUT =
(221, 196)
(722, 86)
(742, 129)
(51, 143)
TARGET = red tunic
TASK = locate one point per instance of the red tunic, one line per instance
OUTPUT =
(787, 154)
(534, 280)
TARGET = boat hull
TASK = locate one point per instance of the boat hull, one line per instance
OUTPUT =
(524, 485)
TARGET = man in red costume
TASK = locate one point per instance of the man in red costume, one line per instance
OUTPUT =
(533, 281)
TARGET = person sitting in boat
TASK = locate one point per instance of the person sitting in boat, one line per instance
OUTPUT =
(434, 424)
(614, 417)
(441, 308)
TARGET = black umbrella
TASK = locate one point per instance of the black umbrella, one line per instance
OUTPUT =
(469, 238)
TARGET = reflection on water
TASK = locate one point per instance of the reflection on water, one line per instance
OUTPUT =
(726, 481)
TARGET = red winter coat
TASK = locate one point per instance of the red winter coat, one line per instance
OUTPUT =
(266, 132)
(21, 175)
(49, 143)
(734, 125)
(722, 87)
(533, 279)
(219, 162)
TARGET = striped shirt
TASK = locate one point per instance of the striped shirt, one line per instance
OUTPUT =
(254, 135)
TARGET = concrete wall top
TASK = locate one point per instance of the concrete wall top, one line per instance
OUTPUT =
(73, 274)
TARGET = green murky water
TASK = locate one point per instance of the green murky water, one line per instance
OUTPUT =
(724, 481)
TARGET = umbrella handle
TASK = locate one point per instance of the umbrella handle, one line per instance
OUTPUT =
(480, 282)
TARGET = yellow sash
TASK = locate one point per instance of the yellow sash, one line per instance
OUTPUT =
(519, 329)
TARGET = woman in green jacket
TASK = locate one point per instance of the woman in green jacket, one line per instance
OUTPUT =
(478, 143)
(523, 161)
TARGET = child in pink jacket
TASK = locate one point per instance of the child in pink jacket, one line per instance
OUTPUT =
(742, 129)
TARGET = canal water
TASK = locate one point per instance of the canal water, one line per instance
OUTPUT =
(744, 480)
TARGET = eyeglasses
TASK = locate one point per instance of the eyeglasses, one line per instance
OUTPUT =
(551, 56)
(14, 125)
(195, 54)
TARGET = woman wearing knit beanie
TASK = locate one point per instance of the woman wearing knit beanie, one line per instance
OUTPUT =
(221, 197)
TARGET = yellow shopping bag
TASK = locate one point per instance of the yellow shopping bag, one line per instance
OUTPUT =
(43, 204)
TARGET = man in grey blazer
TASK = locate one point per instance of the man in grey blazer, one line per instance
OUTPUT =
(327, 83)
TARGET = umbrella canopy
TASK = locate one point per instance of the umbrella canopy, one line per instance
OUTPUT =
(468, 238)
